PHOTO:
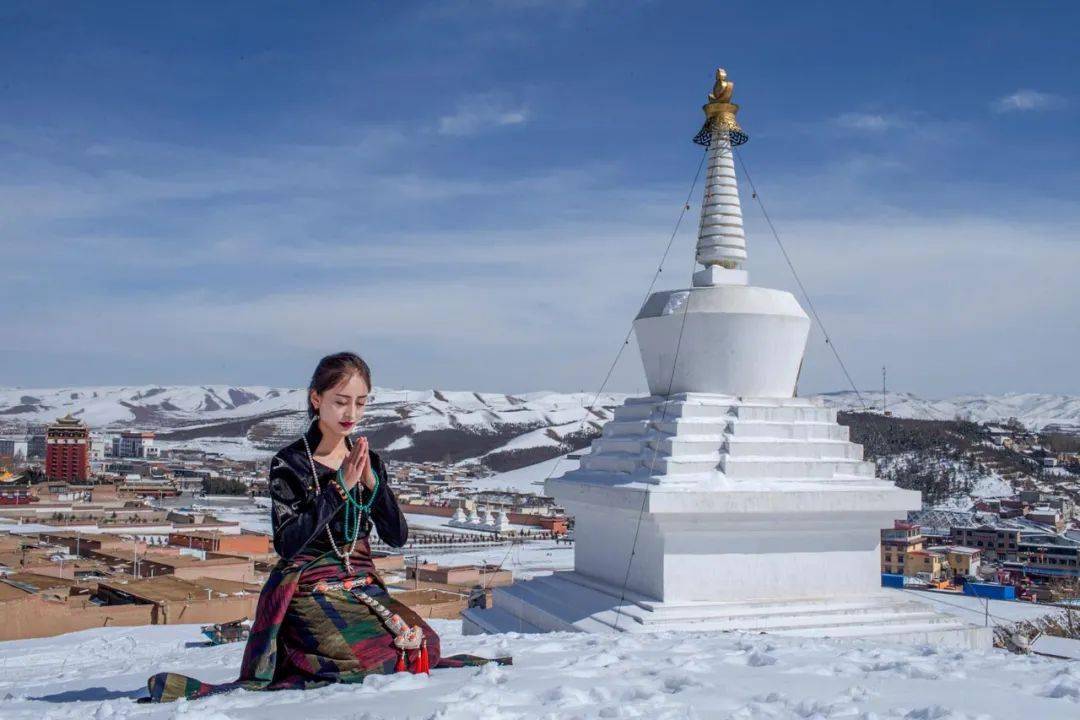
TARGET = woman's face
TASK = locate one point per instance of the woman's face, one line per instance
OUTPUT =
(341, 407)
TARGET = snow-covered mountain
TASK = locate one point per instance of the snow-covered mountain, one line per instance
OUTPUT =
(502, 431)
(156, 407)
(1033, 409)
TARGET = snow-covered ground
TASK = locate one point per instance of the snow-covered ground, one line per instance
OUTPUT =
(992, 486)
(96, 674)
(528, 479)
(252, 513)
(526, 560)
(980, 611)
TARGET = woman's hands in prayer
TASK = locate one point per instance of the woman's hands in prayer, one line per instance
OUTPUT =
(357, 466)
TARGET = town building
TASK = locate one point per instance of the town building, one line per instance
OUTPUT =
(1045, 515)
(465, 576)
(134, 445)
(929, 564)
(997, 543)
(961, 561)
(896, 543)
(35, 443)
(246, 543)
(7, 448)
(67, 450)
(1048, 555)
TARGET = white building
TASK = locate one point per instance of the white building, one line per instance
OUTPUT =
(134, 445)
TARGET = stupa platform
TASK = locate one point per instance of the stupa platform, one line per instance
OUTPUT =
(702, 511)
(570, 602)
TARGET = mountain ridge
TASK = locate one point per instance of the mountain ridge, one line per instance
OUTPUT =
(502, 431)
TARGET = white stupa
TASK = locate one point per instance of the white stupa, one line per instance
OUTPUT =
(502, 522)
(460, 517)
(722, 501)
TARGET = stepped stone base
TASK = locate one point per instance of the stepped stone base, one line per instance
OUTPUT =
(569, 602)
(702, 511)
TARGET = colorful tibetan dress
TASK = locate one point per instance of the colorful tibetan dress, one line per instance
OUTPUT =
(309, 629)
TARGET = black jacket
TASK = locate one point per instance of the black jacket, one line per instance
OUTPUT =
(299, 515)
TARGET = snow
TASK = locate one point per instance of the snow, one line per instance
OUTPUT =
(992, 486)
(230, 447)
(1057, 646)
(253, 514)
(525, 560)
(1032, 409)
(402, 443)
(191, 406)
(529, 479)
(973, 610)
(95, 674)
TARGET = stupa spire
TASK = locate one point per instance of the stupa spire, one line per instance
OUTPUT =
(721, 245)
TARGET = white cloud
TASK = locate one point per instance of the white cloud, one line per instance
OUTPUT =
(867, 122)
(477, 113)
(1025, 100)
(537, 293)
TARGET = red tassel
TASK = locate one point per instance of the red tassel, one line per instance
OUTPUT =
(400, 667)
(424, 666)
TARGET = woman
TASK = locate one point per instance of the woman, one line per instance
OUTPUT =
(324, 614)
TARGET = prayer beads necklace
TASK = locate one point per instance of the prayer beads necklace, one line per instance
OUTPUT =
(349, 500)
(354, 506)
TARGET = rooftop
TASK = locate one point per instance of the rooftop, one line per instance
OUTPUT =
(168, 587)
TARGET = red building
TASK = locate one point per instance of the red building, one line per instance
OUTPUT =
(67, 450)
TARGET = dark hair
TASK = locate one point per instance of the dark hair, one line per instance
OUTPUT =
(331, 370)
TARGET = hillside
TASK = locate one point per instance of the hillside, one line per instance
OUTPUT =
(504, 432)
(501, 431)
(1032, 409)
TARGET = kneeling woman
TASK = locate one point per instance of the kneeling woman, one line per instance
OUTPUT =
(324, 614)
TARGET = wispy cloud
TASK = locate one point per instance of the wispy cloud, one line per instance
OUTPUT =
(1027, 100)
(867, 122)
(476, 113)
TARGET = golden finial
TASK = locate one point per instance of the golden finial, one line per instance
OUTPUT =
(722, 88)
(720, 113)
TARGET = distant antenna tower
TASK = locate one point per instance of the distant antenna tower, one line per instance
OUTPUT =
(884, 411)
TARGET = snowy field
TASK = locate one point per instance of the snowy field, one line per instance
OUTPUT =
(528, 479)
(96, 674)
(252, 513)
(526, 560)
(979, 611)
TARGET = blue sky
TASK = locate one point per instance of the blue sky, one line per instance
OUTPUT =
(475, 195)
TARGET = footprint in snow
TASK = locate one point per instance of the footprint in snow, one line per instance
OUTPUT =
(752, 659)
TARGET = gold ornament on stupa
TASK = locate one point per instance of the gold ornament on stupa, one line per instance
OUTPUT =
(720, 113)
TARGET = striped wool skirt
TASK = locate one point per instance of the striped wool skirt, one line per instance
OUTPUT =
(316, 625)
